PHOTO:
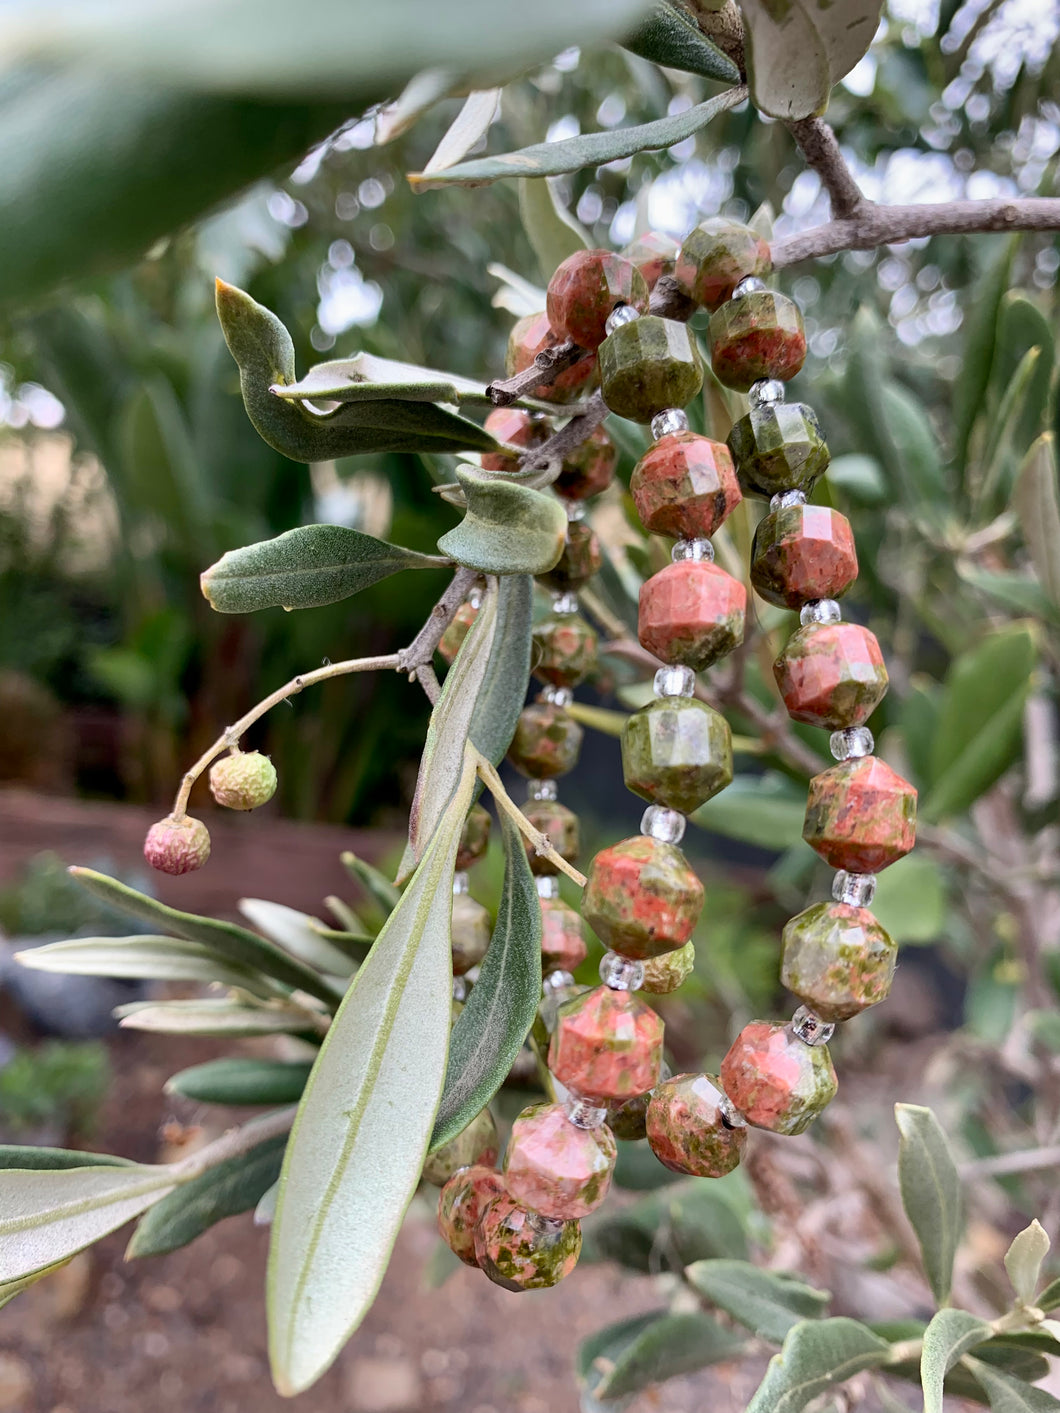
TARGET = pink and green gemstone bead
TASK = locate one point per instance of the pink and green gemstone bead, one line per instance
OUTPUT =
(555, 1167)
(677, 752)
(520, 1250)
(460, 1205)
(837, 960)
(642, 898)
(607, 1046)
(687, 1127)
(775, 1080)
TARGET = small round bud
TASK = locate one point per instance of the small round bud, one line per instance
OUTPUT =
(243, 780)
(177, 845)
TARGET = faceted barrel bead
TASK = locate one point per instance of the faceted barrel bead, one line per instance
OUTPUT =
(606, 1046)
(546, 742)
(642, 898)
(586, 288)
(517, 428)
(715, 257)
(775, 1080)
(453, 637)
(831, 675)
(564, 650)
(677, 752)
(801, 553)
(648, 365)
(778, 447)
(686, 1128)
(685, 486)
(837, 960)
(666, 973)
(533, 335)
(556, 1168)
(475, 837)
(476, 1145)
(562, 936)
(580, 560)
(470, 934)
(521, 1250)
(691, 613)
(860, 815)
(654, 255)
(590, 469)
(561, 825)
(758, 335)
(461, 1203)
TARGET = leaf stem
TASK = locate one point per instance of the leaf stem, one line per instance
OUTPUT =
(233, 1143)
(540, 842)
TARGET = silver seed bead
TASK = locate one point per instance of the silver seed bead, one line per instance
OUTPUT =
(665, 424)
(820, 611)
(674, 682)
(565, 604)
(558, 980)
(766, 392)
(852, 742)
(810, 1028)
(621, 973)
(541, 790)
(582, 1114)
(730, 1114)
(460, 988)
(785, 498)
(621, 314)
(575, 509)
(544, 1226)
(547, 886)
(692, 549)
(474, 598)
(750, 285)
(461, 882)
(472, 975)
(857, 889)
(558, 696)
(663, 824)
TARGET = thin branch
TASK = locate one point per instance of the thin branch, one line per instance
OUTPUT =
(819, 146)
(540, 842)
(546, 367)
(421, 650)
(1028, 1160)
(550, 455)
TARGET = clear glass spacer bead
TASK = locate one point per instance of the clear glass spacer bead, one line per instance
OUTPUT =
(575, 509)
(785, 498)
(544, 1226)
(582, 1114)
(558, 980)
(766, 392)
(820, 611)
(810, 1028)
(621, 314)
(541, 790)
(730, 1114)
(461, 882)
(857, 889)
(474, 598)
(852, 742)
(666, 423)
(564, 604)
(674, 682)
(663, 824)
(621, 973)
(751, 284)
(558, 696)
(692, 549)
(547, 886)
(460, 988)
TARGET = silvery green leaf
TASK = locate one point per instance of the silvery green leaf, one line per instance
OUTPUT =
(797, 51)
(13, 1155)
(1007, 1394)
(625, 1358)
(817, 1355)
(503, 691)
(469, 126)
(949, 1336)
(768, 1303)
(507, 528)
(143, 958)
(1037, 503)
(364, 377)
(210, 1017)
(931, 1192)
(297, 933)
(551, 229)
(669, 37)
(518, 296)
(237, 1081)
(1023, 1260)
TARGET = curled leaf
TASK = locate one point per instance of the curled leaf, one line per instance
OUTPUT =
(508, 528)
(669, 37)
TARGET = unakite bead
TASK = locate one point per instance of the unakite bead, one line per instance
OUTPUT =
(685, 486)
(561, 825)
(654, 255)
(648, 365)
(562, 936)
(461, 1203)
(686, 1128)
(564, 650)
(580, 560)
(521, 1250)
(831, 675)
(666, 973)
(837, 960)
(715, 257)
(607, 1045)
(477, 1144)
(677, 752)
(778, 447)
(474, 838)
(546, 742)
(860, 815)
(470, 934)
(453, 637)
(589, 469)
(555, 1167)
(802, 553)
(758, 335)
(531, 336)
(691, 613)
(517, 428)
(586, 288)
(775, 1080)
(641, 897)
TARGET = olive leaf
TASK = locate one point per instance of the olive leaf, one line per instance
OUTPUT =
(237, 1081)
(365, 377)
(503, 690)
(669, 37)
(949, 1336)
(507, 529)
(306, 937)
(364, 1123)
(817, 1355)
(551, 229)
(768, 1303)
(1023, 1260)
(212, 1017)
(1010, 1395)
(1037, 503)
(624, 1358)
(375, 884)
(143, 958)
(797, 51)
(497, 1016)
(12, 1155)
(553, 159)
(931, 1193)
(470, 125)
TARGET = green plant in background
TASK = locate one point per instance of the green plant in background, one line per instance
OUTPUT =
(960, 545)
(54, 1086)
